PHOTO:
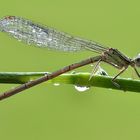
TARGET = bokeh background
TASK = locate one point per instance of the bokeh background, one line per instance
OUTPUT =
(63, 113)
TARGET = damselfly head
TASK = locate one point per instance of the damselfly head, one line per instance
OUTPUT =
(137, 60)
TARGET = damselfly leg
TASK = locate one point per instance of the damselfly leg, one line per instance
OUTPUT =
(136, 71)
(95, 68)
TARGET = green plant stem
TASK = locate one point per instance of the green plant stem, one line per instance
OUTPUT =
(80, 79)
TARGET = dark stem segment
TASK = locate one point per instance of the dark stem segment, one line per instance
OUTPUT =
(47, 77)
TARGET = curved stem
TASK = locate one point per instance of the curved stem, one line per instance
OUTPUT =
(81, 79)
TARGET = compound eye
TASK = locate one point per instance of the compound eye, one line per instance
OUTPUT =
(137, 61)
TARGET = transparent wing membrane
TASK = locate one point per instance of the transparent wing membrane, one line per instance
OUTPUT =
(45, 37)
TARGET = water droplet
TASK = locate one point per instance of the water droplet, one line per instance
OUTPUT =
(56, 84)
(33, 30)
(73, 72)
(19, 40)
(39, 43)
(28, 42)
(129, 78)
(30, 80)
(81, 88)
(101, 71)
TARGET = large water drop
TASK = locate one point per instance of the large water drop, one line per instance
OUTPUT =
(56, 84)
(81, 88)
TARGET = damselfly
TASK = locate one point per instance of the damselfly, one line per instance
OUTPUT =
(46, 37)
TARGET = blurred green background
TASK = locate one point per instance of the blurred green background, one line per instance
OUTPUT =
(62, 113)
